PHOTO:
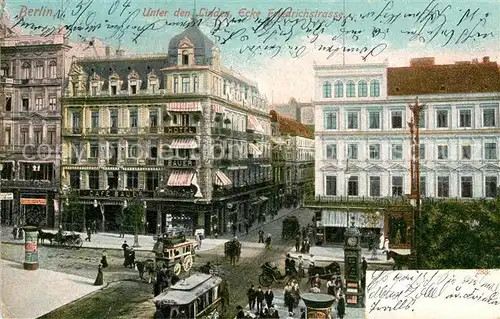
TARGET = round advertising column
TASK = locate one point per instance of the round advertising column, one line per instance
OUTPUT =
(30, 248)
(319, 306)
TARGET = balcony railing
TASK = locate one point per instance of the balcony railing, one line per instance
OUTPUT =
(92, 130)
(227, 191)
(92, 160)
(221, 131)
(72, 130)
(152, 161)
(29, 184)
(154, 129)
(356, 201)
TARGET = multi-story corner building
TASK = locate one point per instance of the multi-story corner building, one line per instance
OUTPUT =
(293, 160)
(178, 131)
(363, 139)
(32, 73)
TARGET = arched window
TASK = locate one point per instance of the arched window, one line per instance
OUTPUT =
(339, 89)
(327, 89)
(374, 88)
(26, 70)
(362, 88)
(52, 69)
(39, 70)
(350, 89)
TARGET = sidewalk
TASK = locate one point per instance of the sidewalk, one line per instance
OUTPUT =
(31, 294)
(336, 253)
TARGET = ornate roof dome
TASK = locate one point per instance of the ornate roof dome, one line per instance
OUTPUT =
(202, 44)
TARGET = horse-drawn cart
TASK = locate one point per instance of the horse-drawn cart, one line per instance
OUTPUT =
(71, 240)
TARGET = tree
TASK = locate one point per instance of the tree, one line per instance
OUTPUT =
(134, 216)
(73, 214)
(462, 235)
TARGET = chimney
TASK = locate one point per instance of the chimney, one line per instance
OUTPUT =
(486, 59)
(420, 62)
(120, 52)
(108, 50)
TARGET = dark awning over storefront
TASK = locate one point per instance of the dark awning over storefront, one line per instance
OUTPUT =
(331, 218)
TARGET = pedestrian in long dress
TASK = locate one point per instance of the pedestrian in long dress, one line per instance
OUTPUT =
(89, 234)
(297, 243)
(104, 259)
(341, 307)
(14, 231)
(99, 281)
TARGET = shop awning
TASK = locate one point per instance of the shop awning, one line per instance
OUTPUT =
(253, 124)
(184, 107)
(253, 149)
(339, 219)
(217, 108)
(180, 178)
(221, 179)
(184, 143)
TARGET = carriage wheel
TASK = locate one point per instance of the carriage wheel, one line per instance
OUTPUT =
(265, 280)
(187, 263)
(177, 269)
(78, 243)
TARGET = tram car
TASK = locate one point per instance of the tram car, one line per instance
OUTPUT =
(200, 296)
(175, 252)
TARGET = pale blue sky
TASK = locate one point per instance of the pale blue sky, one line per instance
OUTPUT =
(368, 28)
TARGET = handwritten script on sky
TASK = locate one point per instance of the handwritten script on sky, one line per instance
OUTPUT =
(364, 30)
(433, 294)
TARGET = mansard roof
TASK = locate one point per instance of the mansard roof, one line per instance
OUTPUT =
(290, 126)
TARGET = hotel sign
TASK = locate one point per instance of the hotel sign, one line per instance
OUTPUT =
(115, 193)
(33, 201)
(173, 130)
(181, 163)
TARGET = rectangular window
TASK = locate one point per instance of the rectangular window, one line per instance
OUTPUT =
(331, 151)
(153, 118)
(374, 118)
(375, 151)
(330, 120)
(442, 152)
(94, 150)
(25, 137)
(466, 152)
(74, 179)
(490, 151)
(94, 179)
(113, 180)
(443, 186)
(421, 152)
(196, 86)
(331, 186)
(52, 103)
(113, 90)
(113, 115)
(94, 121)
(397, 119)
(51, 136)
(76, 122)
(442, 118)
(8, 103)
(8, 136)
(352, 186)
(375, 186)
(26, 104)
(397, 186)
(133, 118)
(489, 118)
(39, 103)
(38, 135)
(352, 151)
(185, 84)
(133, 89)
(465, 118)
(132, 180)
(352, 120)
(152, 180)
(490, 186)
(466, 185)
(423, 186)
(421, 119)
(397, 151)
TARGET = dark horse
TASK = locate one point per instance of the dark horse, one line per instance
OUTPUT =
(332, 269)
(399, 260)
(42, 236)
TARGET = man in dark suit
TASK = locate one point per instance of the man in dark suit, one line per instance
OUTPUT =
(269, 297)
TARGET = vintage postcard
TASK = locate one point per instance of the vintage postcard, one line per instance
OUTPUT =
(250, 159)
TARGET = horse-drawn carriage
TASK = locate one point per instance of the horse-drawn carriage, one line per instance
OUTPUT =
(61, 238)
(291, 227)
(271, 273)
(175, 253)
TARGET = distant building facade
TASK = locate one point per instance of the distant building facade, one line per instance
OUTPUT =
(363, 144)
(293, 160)
(32, 75)
(179, 132)
(301, 112)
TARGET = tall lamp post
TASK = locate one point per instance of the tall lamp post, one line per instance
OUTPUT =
(415, 109)
(136, 226)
